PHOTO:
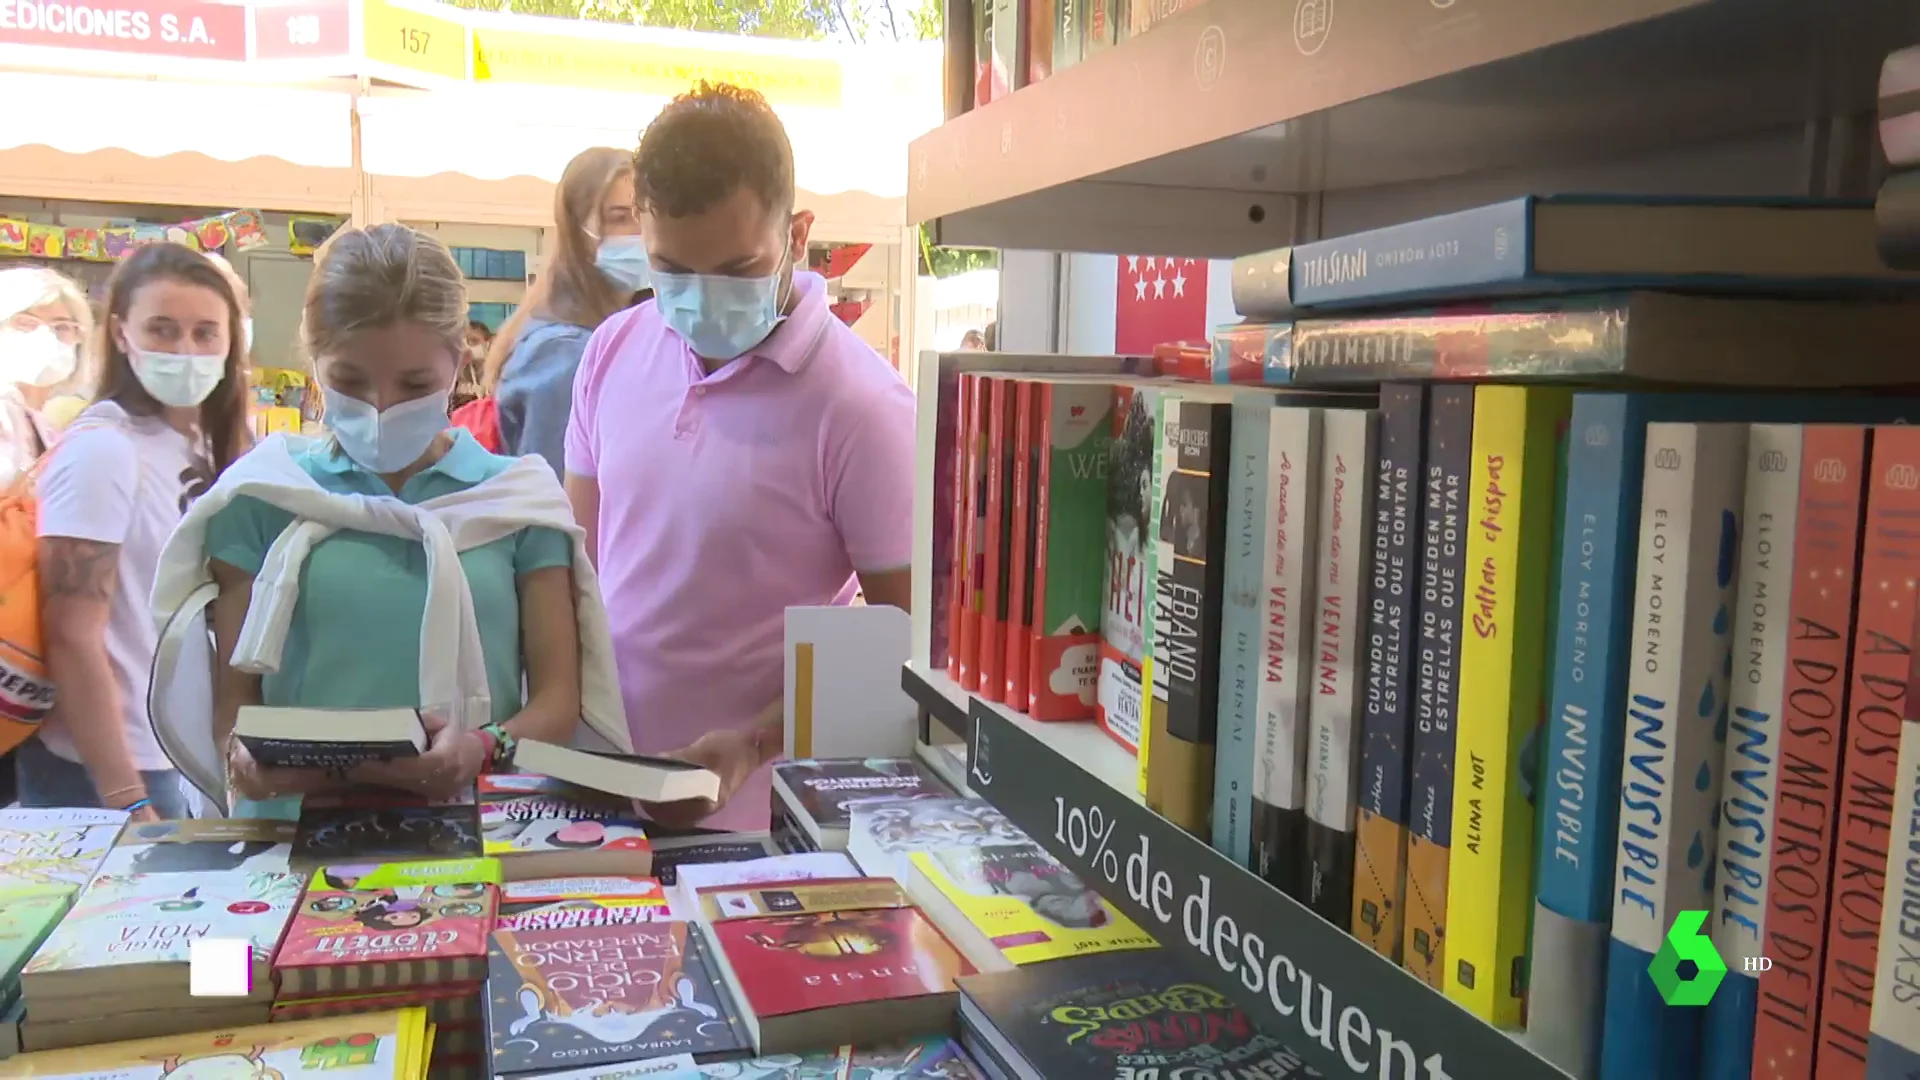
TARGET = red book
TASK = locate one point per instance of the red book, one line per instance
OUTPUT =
(995, 526)
(1882, 656)
(1021, 533)
(347, 940)
(1820, 619)
(973, 434)
(823, 963)
(957, 543)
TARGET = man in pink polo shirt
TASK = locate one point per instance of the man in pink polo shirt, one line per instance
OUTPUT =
(734, 450)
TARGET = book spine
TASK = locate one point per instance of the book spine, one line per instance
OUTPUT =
(1192, 556)
(974, 435)
(1882, 653)
(1009, 32)
(1512, 495)
(943, 652)
(1021, 531)
(1041, 22)
(1240, 637)
(993, 619)
(1262, 286)
(1573, 890)
(1043, 410)
(1380, 865)
(1749, 779)
(1563, 341)
(1062, 670)
(1436, 697)
(1676, 728)
(1069, 41)
(1826, 554)
(1489, 245)
(1166, 429)
(1349, 460)
(1286, 685)
(1893, 1047)
(1124, 621)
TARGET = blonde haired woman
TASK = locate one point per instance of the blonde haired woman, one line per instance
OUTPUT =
(45, 321)
(312, 550)
(598, 267)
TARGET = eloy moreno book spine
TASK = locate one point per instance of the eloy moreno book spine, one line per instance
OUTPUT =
(1749, 774)
(1022, 528)
(1286, 682)
(1070, 510)
(1573, 889)
(1125, 618)
(1826, 560)
(1348, 459)
(998, 528)
(1188, 596)
(1692, 495)
(1380, 861)
(973, 434)
(1882, 654)
(1893, 1045)
(1512, 505)
(1241, 633)
(1436, 693)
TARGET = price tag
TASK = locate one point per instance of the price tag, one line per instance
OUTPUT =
(415, 40)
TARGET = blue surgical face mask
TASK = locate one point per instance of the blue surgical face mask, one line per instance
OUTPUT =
(720, 317)
(385, 440)
(624, 260)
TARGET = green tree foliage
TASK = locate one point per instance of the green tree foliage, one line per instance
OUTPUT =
(794, 19)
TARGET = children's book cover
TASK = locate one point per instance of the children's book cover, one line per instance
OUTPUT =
(525, 814)
(54, 847)
(824, 1065)
(594, 911)
(155, 918)
(375, 1046)
(339, 926)
(828, 787)
(934, 1058)
(540, 892)
(580, 996)
(204, 845)
(373, 830)
(1027, 903)
(25, 922)
(894, 828)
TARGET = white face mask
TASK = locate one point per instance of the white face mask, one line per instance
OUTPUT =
(387, 440)
(35, 357)
(178, 380)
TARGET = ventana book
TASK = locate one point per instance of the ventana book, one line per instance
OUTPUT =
(560, 999)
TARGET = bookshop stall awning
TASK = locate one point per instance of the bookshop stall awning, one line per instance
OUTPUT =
(176, 143)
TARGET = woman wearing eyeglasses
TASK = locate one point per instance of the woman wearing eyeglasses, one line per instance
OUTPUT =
(44, 321)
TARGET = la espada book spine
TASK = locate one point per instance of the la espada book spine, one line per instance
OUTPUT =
(1348, 460)
(973, 435)
(1188, 593)
(1573, 888)
(1436, 695)
(1285, 688)
(1826, 559)
(1691, 499)
(1240, 634)
(998, 527)
(1749, 776)
(1512, 503)
(1380, 861)
(1022, 529)
(1882, 654)
(1893, 1045)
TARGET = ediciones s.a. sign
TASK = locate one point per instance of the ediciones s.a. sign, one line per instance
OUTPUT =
(188, 29)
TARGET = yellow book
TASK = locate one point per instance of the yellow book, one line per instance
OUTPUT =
(369, 1046)
(1019, 902)
(1511, 502)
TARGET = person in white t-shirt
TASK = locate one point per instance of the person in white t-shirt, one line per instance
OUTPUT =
(168, 415)
(44, 318)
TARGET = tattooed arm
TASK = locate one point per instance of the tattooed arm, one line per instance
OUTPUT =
(77, 580)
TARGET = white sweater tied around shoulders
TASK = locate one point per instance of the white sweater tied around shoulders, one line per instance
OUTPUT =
(453, 676)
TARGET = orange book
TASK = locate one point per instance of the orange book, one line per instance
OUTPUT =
(1882, 655)
(1020, 532)
(957, 545)
(1820, 618)
(994, 528)
(973, 435)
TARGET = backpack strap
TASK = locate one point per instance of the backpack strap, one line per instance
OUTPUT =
(185, 730)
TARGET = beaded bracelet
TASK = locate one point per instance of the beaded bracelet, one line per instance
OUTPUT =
(504, 744)
(136, 806)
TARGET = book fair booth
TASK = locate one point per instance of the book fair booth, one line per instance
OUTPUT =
(257, 129)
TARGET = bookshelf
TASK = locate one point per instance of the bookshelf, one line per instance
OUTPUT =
(1243, 125)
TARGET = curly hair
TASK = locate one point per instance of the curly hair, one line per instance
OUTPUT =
(707, 144)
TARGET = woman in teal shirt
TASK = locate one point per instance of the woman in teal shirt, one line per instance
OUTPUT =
(385, 322)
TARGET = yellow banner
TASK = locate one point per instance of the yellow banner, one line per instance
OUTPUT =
(588, 63)
(411, 39)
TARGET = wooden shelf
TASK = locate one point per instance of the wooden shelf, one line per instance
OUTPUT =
(1211, 134)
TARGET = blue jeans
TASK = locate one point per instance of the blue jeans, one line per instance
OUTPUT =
(49, 780)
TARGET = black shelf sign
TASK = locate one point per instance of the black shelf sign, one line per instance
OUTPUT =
(1342, 1007)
